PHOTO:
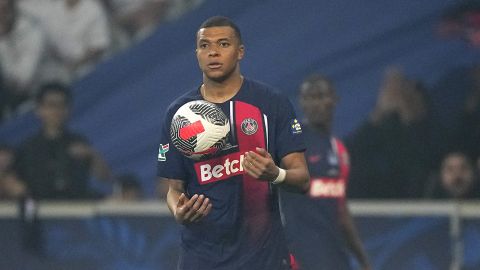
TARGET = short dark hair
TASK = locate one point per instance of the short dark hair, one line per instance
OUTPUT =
(54, 87)
(216, 21)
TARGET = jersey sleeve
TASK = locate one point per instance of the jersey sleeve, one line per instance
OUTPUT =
(289, 137)
(170, 162)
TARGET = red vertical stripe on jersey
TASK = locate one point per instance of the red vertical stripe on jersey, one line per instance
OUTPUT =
(256, 201)
(344, 164)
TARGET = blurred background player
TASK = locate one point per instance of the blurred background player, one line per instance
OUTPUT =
(323, 231)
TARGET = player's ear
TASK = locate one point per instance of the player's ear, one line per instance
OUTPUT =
(241, 51)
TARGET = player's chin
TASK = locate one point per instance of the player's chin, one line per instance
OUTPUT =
(217, 76)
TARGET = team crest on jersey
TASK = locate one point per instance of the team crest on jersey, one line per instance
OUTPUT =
(249, 126)
(162, 150)
(296, 127)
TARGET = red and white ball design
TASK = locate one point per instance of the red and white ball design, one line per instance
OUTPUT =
(199, 129)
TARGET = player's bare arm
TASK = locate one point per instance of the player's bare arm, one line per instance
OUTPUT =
(352, 237)
(259, 164)
(186, 210)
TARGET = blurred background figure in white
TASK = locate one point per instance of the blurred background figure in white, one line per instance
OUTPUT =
(78, 35)
(22, 49)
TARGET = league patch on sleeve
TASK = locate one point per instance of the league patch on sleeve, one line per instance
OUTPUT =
(296, 127)
(162, 151)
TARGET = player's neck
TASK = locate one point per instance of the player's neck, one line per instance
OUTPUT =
(219, 92)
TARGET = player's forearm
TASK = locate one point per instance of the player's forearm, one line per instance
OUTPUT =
(297, 178)
(353, 239)
(172, 200)
(357, 248)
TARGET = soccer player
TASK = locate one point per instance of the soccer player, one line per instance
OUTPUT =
(227, 204)
(323, 231)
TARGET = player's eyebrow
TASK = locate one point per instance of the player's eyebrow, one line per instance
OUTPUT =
(203, 40)
(207, 40)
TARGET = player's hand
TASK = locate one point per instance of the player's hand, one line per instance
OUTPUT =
(259, 164)
(193, 209)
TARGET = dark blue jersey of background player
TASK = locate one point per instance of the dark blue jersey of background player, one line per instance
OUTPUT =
(227, 203)
(322, 233)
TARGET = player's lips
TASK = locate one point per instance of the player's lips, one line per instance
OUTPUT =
(214, 65)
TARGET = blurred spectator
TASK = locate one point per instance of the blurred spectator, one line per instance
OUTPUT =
(22, 49)
(3, 98)
(179, 7)
(392, 152)
(478, 165)
(37, 10)
(467, 136)
(129, 188)
(137, 18)
(456, 179)
(11, 187)
(78, 34)
(462, 21)
(57, 163)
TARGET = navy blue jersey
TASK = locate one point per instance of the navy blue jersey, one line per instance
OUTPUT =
(311, 219)
(243, 230)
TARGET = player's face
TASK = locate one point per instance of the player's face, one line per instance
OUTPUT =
(318, 104)
(218, 52)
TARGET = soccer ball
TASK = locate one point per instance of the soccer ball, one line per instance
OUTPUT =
(199, 129)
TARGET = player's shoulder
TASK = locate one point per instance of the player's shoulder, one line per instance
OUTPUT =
(260, 86)
(266, 91)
